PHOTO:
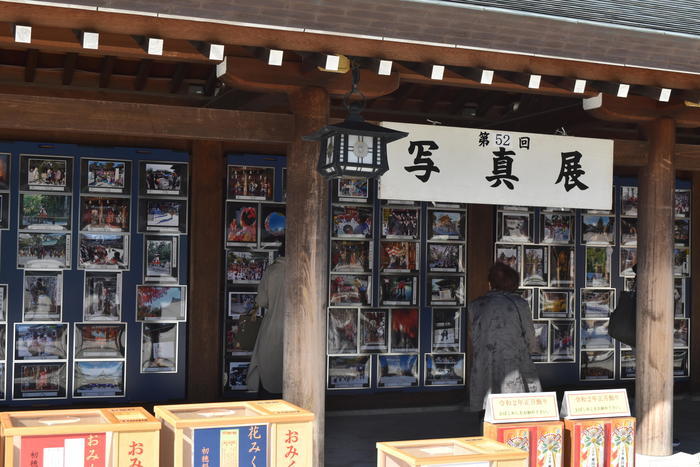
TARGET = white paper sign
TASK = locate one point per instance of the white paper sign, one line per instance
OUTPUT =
(466, 165)
(522, 407)
(595, 404)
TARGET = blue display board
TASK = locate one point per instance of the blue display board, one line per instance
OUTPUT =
(248, 444)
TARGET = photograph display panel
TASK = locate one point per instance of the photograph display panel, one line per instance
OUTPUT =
(42, 296)
(100, 341)
(103, 251)
(241, 224)
(159, 347)
(241, 303)
(43, 250)
(446, 225)
(273, 224)
(681, 232)
(557, 227)
(562, 341)
(160, 178)
(105, 176)
(349, 372)
(598, 266)
(628, 260)
(444, 369)
(103, 214)
(251, 183)
(353, 190)
(556, 304)
(163, 215)
(41, 341)
(628, 231)
(681, 262)
(350, 256)
(447, 330)
(45, 173)
(542, 337)
(397, 371)
(598, 365)
(445, 257)
(236, 375)
(405, 329)
(509, 255)
(5, 171)
(4, 211)
(681, 365)
(399, 256)
(246, 267)
(628, 364)
(562, 266)
(102, 296)
(398, 290)
(682, 203)
(594, 334)
(400, 223)
(352, 222)
(350, 290)
(45, 380)
(374, 331)
(597, 303)
(160, 258)
(629, 201)
(342, 330)
(99, 379)
(161, 303)
(535, 263)
(446, 290)
(3, 344)
(514, 227)
(46, 212)
(597, 230)
(681, 332)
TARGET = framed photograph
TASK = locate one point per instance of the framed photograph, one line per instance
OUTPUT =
(681, 329)
(342, 330)
(273, 224)
(374, 331)
(397, 371)
(102, 297)
(349, 372)
(350, 290)
(43, 250)
(678, 297)
(3, 380)
(161, 303)
(562, 266)
(444, 369)
(237, 375)
(5, 171)
(542, 337)
(241, 224)
(4, 211)
(398, 290)
(628, 231)
(41, 211)
(3, 347)
(252, 183)
(597, 230)
(594, 334)
(351, 256)
(682, 203)
(562, 346)
(628, 364)
(163, 215)
(628, 284)
(159, 347)
(597, 303)
(557, 227)
(240, 303)
(99, 214)
(405, 328)
(629, 201)
(164, 178)
(45, 173)
(529, 296)
(446, 225)
(509, 255)
(628, 259)
(447, 330)
(45, 380)
(514, 227)
(681, 232)
(246, 267)
(447, 290)
(681, 262)
(99, 379)
(99, 341)
(556, 304)
(680, 363)
(284, 184)
(4, 300)
(445, 257)
(105, 176)
(535, 262)
(400, 223)
(42, 296)
(41, 341)
(160, 261)
(352, 222)
(399, 256)
(598, 266)
(103, 251)
(598, 365)
(353, 189)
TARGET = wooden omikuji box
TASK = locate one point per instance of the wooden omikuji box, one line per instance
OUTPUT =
(114, 437)
(601, 442)
(543, 441)
(262, 433)
(452, 452)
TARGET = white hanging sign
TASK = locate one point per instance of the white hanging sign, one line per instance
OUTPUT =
(595, 404)
(521, 407)
(466, 165)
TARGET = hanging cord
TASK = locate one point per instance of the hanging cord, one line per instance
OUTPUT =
(354, 106)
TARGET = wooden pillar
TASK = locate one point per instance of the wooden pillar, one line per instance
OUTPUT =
(307, 264)
(479, 248)
(654, 384)
(207, 186)
(694, 313)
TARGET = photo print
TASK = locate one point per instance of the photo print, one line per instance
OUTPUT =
(628, 231)
(160, 260)
(542, 338)
(98, 379)
(3, 303)
(397, 371)
(98, 214)
(598, 266)
(404, 330)
(241, 303)
(597, 230)
(241, 224)
(45, 174)
(350, 290)
(628, 260)
(447, 330)
(682, 203)
(342, 330)
(400, 223)
(446, 225)
(43, 250)
(105, 176)
(445, 257)
(44, 380)
(447, 290)
(399, 256)
(374, 331)
(103, 251)
(246, 267)
(562, 344)
(594, 334)
(237, 376)
(350, 256)
(514, 227)
(102, 296)
(349, 372)
(164, 178)
(557, 227)
(681, 232)
(4, 173)
(40, 211)
(680, 332)
(629, 200)
(273, 224)
(444, 369)
(3, 345)
(398, 290)
(628, 364)
(41, 341)
(556, 304)
(4, 213)
(161, 303)
(509, 255)
(352, 222)
(535, 264)
(678, 297)
(253, 183)
(100, 341)
(353, 189)
(159, 347)
(680, 363)
(681, 262)
(597, 303)
(163, 215)
(562, 266)
(598, 365)
(42, 296)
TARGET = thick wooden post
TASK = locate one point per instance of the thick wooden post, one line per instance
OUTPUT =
(654, 384)
(694, 284)
(307, 264)
(204, 379)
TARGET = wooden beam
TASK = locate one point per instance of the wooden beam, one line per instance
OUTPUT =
(641, 110)
(629, 153)
(178, 77)
(654, 350)
(106, 70)
(210, 85)
(145, 120)
(142, 74)
(30, 65)
(69, 68)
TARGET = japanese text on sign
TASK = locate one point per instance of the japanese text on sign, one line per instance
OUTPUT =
(502, 408)
(592, 404)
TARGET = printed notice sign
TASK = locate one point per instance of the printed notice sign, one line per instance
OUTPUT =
(522, 407)
(595, 404)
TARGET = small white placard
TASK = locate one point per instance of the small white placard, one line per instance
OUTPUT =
(595, 404)
(522, 407)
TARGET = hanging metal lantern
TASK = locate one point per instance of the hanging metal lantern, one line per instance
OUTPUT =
(354, 147)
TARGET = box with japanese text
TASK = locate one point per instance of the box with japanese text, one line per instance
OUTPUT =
(600, 442)
(270, 433)
(543, 441)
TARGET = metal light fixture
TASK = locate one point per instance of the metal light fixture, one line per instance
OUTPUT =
(354, 147)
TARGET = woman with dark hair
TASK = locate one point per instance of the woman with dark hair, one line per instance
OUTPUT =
(503, 337)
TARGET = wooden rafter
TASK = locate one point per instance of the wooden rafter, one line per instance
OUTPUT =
(143, 74)
(30, 66)
(106, 70)
(69, 68)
